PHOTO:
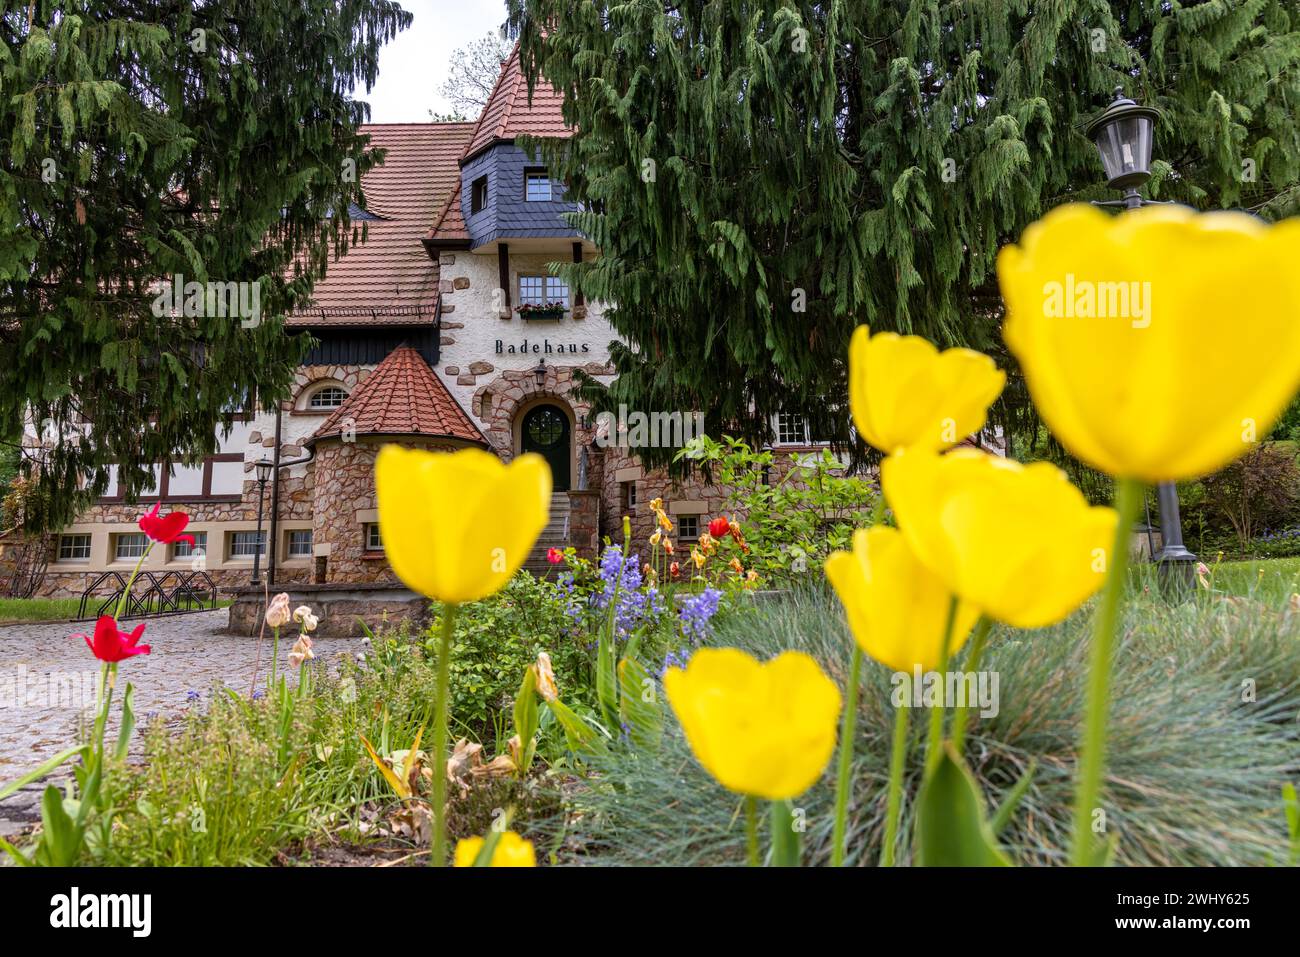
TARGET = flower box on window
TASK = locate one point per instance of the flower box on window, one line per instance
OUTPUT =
(541, 310)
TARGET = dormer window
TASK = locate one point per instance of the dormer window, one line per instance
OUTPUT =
(330, 397)
(478, 195)
(537, 186)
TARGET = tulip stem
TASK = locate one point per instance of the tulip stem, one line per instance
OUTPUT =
(751, 829)
(847, 730)
(894, 802)
(973, 659)
(438, 858)
(1129, 494)
(126, 591)
(934, 747)
(785, 837)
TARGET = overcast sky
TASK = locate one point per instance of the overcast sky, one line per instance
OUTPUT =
(414, 65)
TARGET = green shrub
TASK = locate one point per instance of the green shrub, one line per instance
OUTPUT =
(1259, 491)
(794, 521)
(495, 640)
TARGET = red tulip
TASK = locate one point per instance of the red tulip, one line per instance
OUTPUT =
(554, 556)
(165, 529)
(719, 527)
(113, 645)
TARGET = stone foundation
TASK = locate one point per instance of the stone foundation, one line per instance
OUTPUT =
(584, 522)
(381, 606)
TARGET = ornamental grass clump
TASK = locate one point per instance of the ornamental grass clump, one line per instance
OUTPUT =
(1194, 776)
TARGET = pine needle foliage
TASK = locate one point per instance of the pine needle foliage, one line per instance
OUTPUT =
(216, 139)
(763, 175)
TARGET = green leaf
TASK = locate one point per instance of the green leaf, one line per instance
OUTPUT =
(21, 859)
(485, 853)
(61, 838)
(1002, 817)
(128, 724)
(1292, 805)
(643, 718)
(580, 736)
(41, 771)
(951, 827)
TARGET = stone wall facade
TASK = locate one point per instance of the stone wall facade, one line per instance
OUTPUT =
(344, 507)
(339, 609)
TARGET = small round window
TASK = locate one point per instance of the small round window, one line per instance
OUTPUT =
(545, 427)
(330, 397)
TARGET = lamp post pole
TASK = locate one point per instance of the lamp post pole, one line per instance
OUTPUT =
(263, 473)
(1123, 134)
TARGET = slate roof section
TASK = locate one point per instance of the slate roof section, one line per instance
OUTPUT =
(402, 396)
(510, 113)
(390, 279)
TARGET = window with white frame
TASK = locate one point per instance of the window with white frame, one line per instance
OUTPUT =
(478, 195)
(628, 496)
(374, 542)
(537, 186)
(688, 527)
(791, 429)
(186, 550)
(129, 546)
(247, 544)
(330, 397)
(74, 548)
(543, 290)
(299, 544)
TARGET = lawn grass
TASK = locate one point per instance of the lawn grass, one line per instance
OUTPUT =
(1269, 580)
(51, 609)
(38, 609)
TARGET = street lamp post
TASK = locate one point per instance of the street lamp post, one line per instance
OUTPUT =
(1123, 134)
(263, 468)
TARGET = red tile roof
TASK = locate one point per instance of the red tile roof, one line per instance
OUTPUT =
(510, 113)
(450, 226)
(402, 396)
(390, 279)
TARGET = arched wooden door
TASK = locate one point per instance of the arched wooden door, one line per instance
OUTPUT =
(545, 430)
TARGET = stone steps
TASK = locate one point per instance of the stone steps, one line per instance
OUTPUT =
(555, 535)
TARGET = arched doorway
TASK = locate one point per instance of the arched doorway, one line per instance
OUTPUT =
(545, 430)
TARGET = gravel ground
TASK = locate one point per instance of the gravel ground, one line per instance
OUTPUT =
(48, 679)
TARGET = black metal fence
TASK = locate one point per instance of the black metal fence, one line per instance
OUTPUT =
(152, 593)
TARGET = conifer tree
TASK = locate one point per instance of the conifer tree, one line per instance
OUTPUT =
(763, 176)
(211, 139)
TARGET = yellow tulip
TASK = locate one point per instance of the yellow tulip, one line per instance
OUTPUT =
(763, 729)
(457, 525)
(1017, 541)
(1158, 344)
(896, 607)
(511, 851)
(905, 393)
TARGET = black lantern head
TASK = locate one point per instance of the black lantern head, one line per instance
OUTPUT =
(1123, 136)
(539, 372)
(263, 470)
